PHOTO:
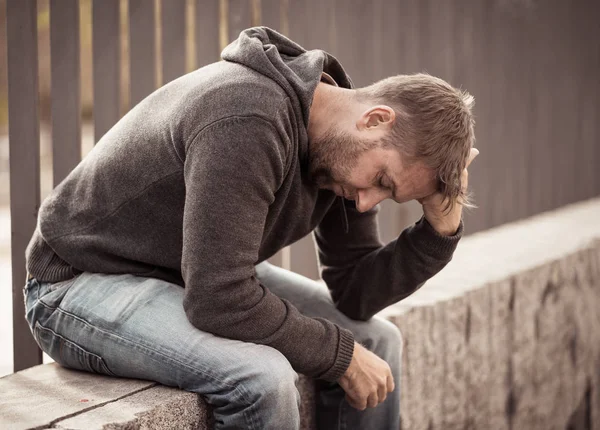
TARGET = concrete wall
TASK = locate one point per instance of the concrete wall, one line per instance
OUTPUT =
(508, 335)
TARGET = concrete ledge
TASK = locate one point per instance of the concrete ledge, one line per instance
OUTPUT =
(506, 337)
(49, 396)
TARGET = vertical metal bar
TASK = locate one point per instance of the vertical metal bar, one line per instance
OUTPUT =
(594, 113)
(271, 14)
(142, 49)
(543, 186)
(105, 40)
(554, 122)
(313, 24)
(500, 140)
(297, 27)
(480, 87)
(207, 32)
(240, 17)
(24, 147)
(537, 136)
(65, 100)
(522, 68)
(173, 39)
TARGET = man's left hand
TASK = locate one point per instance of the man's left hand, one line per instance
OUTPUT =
(445, 222)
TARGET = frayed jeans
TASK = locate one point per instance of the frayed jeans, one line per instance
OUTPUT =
(135, 327)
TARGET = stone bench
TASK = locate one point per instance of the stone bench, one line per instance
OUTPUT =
(49, 396)
(506, 337)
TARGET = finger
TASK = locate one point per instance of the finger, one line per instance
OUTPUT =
(390, 383)
(373, 400)
(472, 154)
(382, 393)
(356, 404)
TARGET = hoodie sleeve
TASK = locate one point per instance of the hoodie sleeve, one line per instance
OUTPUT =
(232, 170)
(365, 276)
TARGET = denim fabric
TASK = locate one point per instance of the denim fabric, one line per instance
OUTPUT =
(135, 327)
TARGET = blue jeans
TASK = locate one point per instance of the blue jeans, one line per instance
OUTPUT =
(135, 327)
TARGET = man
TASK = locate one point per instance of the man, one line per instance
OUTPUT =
(214, 173)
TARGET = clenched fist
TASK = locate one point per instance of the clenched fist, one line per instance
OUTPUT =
(367, 380)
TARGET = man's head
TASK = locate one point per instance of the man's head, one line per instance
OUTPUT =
(404, 138)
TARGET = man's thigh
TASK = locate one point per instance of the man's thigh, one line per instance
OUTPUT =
(138, 327)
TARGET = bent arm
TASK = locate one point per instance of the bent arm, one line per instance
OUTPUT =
(365, 276)
(232, 170)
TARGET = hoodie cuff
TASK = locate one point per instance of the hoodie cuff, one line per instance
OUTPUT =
(433, 243)
(343, 356)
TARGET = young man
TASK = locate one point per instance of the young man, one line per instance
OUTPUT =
(214, 173)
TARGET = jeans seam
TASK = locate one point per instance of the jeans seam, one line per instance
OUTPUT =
(251, 419)
(239, 389)
(64, 341)
(250, 413)
(140, 345)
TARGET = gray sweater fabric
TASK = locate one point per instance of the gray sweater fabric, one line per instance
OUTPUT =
(207, 177)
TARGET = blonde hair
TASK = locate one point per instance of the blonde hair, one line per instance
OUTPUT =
(434, 124)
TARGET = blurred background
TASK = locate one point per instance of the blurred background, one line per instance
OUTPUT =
(532, 66)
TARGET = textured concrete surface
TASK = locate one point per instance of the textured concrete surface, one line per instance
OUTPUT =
(49, 396)
(155, 408)
(513, 323)
(506, 337)
(43, 394)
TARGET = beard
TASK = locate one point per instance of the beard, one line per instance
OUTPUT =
(332, 157)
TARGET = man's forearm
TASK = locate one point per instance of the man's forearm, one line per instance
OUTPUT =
(392, 272)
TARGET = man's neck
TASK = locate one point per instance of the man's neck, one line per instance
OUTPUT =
(331, 105)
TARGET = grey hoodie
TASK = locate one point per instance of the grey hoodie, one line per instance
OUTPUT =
(207, 177)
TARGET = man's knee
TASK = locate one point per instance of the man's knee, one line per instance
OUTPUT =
(272, 382)
(392, 334)
(380, 336)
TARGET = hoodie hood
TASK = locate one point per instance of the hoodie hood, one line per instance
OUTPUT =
(292, 67)
(295, 69)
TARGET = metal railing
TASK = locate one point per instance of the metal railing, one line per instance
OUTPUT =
(533, 68)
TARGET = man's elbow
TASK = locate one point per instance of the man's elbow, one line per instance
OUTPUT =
(353, 310)
(204, 318)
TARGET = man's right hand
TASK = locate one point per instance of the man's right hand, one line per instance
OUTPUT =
(367, 380)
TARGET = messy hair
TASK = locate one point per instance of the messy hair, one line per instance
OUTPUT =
(434, 124)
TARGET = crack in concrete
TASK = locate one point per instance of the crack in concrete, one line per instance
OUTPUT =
(52, 424)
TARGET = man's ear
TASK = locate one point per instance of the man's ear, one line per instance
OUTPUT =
(376, 116)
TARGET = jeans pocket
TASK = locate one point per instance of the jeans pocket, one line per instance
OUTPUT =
(51, 294)
(68, 353)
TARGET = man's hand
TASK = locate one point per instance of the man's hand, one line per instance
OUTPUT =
(367, 380)
(446, 223)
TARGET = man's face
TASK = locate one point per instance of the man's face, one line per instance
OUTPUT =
(366, 172)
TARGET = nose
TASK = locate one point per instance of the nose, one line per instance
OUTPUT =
(367, 199)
